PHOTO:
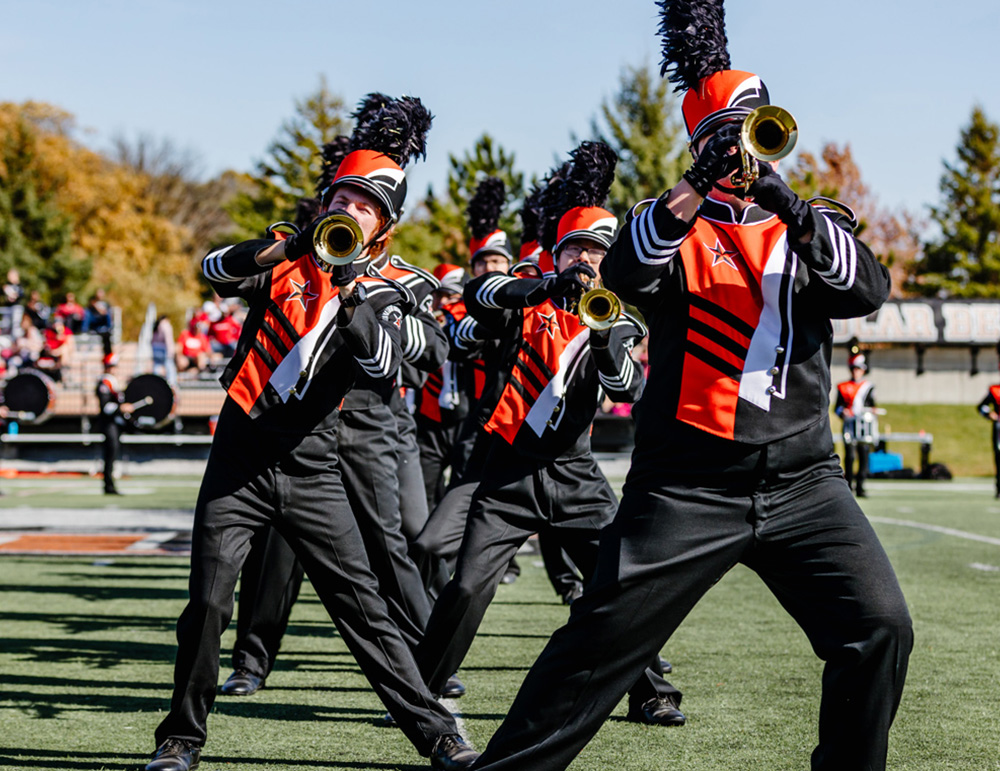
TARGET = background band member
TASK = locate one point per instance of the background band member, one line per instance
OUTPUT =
(310, 329)
(371, 461)
(989, 408)
(540, 472)
(114, 412)
(855, 398)
(733, 458)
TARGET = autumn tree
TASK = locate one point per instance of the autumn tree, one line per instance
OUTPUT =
(291, 166)
(436, 230)
(892, 235)
(640, 123)
(964, 260)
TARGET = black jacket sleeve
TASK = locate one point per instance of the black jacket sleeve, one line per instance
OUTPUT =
(424, 342)
(619, 374)
(846, 279)
(373, 336)
(644, 252)
(233, 270)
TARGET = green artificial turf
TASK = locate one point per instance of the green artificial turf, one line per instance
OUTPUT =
(87, 647)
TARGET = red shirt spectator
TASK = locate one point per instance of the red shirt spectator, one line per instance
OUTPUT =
(71, 312)
(193, 348)
(224, 333)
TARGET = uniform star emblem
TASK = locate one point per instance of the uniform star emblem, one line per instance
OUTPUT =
(721, 254)
(301, 293)
(547, 323)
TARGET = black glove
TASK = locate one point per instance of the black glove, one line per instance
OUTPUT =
(300, 244)
(570, 283)
(715, 161)
(342, 275)
(771, 193)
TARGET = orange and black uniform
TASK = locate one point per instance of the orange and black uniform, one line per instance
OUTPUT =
(274, 463)
(991, 404)
(853, 397)
(733, 462)
(541, 474)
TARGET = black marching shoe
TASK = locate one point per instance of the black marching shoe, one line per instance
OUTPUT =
(453, 689)
(660, 710)
(242, 683)
(665, 666)
(175, 755)
(572, 594)
(451, 753)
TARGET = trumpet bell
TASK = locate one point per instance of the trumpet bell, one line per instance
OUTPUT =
(338, 239)
(769, 133)
(599, 309)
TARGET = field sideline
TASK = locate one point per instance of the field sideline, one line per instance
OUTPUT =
(86, 653)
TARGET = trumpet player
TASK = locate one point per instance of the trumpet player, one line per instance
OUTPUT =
(733, 459)
(542, 476)
(312, 329)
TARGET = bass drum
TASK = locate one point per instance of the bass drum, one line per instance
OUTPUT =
(30, 397)
(155, 401)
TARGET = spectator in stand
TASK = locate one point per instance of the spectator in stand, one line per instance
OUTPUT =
(224, 333)
(59, 347)
(37, 310)
(28, 346)
(193, 346)
(97, 317)
(162, 343)
(13, 292)
(71, 312)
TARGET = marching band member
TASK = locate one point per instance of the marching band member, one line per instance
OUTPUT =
(541, 473)
(989, 408)
(854, 399)
(733, 457)
(311, 329)
(114, 412)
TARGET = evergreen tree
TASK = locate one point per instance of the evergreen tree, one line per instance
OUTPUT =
(965, 260)
(292, 166)
(640, 123)
(436, 231)
(36, 237)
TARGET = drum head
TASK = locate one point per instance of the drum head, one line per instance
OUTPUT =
(31, 392)
(160, 411)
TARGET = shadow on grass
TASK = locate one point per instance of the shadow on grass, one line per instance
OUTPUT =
(74, 623)
(100, 654)
(100, 593)
(130, 761)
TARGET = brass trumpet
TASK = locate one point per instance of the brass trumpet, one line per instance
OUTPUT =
(338, 239)
(599, 308)
(769, 133)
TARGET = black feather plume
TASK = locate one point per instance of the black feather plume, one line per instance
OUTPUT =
(485, 206)
(531, 214)
(394, 127)
(694, 40)
(590, 176)
(550, 206)
(333, 154)
(306, 210)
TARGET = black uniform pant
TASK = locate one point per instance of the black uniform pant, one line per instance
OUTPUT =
(436, 444)
(413, 509)
(272, 575)
(856, 451)
(806, 537)
(291, 483)
(515, 500)
(112, 450)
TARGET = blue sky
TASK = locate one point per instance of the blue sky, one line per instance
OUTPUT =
(219, 77)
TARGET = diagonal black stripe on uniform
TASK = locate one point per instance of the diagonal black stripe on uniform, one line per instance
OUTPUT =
(717, 337)
(267, 358)
(537, 360)
(713, 361)
(722, 315)
(274, 337)
(528, 375)
(286, 325)
(528, 398)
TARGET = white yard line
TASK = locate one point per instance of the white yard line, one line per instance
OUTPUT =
(452, 706)
(937, 529)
